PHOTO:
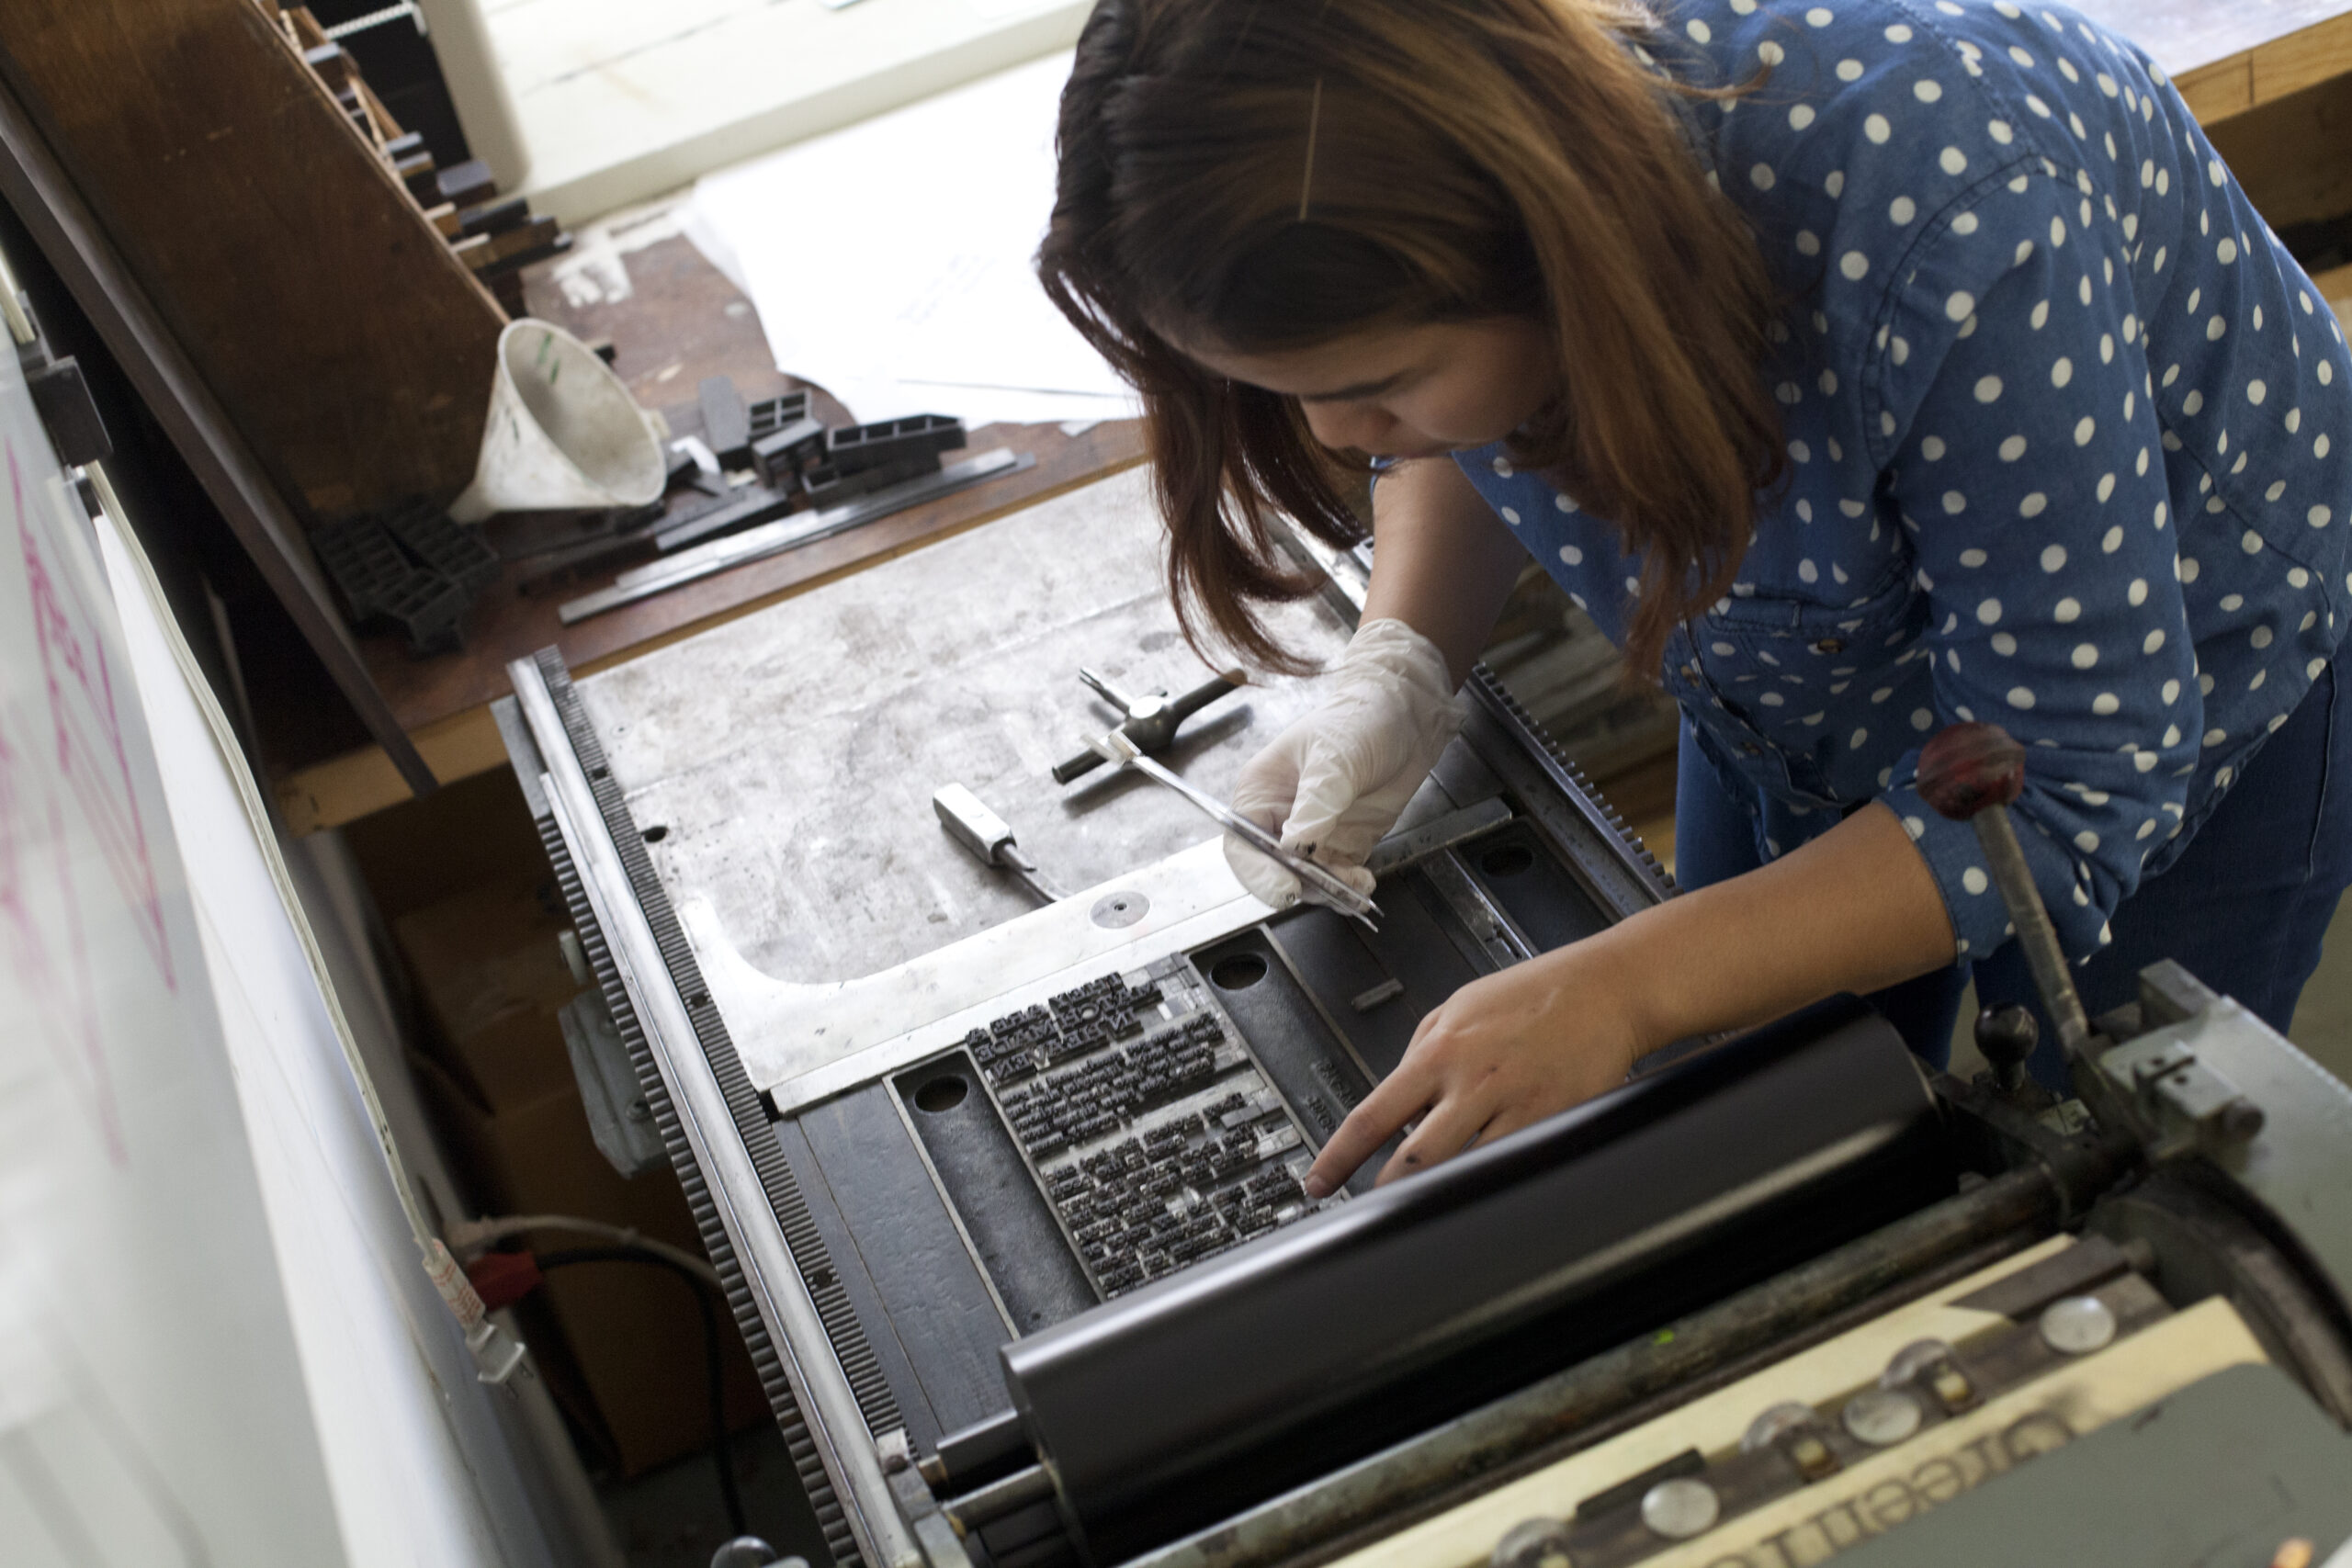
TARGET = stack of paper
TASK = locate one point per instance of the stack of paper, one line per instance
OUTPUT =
(891, 262)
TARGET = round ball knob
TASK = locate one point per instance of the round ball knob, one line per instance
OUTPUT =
(1968, 767)
(2007, 1035)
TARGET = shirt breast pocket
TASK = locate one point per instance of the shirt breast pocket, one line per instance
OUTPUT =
(1787, 672)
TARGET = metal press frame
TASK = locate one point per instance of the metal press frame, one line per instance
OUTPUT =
(714, 1118)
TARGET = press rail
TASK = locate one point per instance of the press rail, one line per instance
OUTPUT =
(778, 1290)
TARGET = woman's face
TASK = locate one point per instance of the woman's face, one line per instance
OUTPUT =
(1411, 391)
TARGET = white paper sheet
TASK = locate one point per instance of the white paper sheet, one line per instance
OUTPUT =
(890, 262)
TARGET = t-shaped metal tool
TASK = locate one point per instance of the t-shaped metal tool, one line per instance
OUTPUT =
(1969, 773)
(1151, 718)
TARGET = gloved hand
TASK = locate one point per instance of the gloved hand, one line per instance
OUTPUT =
(1332, 785)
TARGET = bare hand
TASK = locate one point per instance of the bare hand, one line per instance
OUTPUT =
(1502, 1052)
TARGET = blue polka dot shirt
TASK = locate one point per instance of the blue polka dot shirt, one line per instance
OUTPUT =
(2069, 440)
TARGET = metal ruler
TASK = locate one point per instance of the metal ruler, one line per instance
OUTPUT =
(790, 532)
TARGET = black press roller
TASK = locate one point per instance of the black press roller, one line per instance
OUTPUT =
(1239, 1379)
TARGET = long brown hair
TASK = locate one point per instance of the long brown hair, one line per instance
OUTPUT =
(1271, 174)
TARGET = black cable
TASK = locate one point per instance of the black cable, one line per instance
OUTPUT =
(711, 1346)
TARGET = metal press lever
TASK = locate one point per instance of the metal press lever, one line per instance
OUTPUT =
(1969, 773)
(969, 822)
(1151, 718)
(1116, 748)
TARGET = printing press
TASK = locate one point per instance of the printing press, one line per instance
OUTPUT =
(1007, 1197)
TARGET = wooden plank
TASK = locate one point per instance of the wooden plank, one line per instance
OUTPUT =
(2293, 154)
(2217, 92)
(161, 373)
(304, 27)
(2335, 286)
(2316, 54)
(349, 348)
(361, 783)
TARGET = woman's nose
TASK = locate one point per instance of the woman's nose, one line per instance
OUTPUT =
(1364, 426)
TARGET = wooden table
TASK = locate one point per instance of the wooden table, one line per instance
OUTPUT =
(682, 321)
(2270, 79)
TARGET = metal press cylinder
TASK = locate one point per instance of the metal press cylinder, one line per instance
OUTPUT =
(1239, 1379)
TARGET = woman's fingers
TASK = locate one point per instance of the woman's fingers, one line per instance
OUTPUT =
(1449, 1127)
(1268, 883)
(1400, 1096)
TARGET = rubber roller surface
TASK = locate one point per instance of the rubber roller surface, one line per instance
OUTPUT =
(1262, 1369)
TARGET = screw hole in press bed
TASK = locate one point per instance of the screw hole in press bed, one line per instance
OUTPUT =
(1508, 860)
(942, 1093)
(1238, 972)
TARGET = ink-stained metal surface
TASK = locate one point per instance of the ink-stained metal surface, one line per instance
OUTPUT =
(789, 758)
(840, 955)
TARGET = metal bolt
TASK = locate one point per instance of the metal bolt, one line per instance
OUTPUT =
(2239, 1121)
(1907, 1363)
(749, 1551)
(1115, 909)
(1952, 1387)
(1813, 1458)
(1680, 1508)
(2078, 1325)
(1880, 1417)
(1776, 1422)
(1539, 1543)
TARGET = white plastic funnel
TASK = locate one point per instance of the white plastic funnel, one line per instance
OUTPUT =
(562, 433)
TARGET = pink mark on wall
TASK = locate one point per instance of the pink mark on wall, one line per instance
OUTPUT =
(68, 989)
(89, 728)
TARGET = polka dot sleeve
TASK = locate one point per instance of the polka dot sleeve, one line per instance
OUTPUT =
(2023, 448)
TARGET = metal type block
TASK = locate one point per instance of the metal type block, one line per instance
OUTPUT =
(742, 508)
(726, 421)
(828, 485)
(778, 535)
(366, 566)
(853, 448)
(381, 581)
(466, 185)
(780, 455)
(1147, 1123)
(494, 217)
(772, 414)
(457, 552)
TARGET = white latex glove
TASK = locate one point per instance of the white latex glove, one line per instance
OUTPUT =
(1333, 783)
